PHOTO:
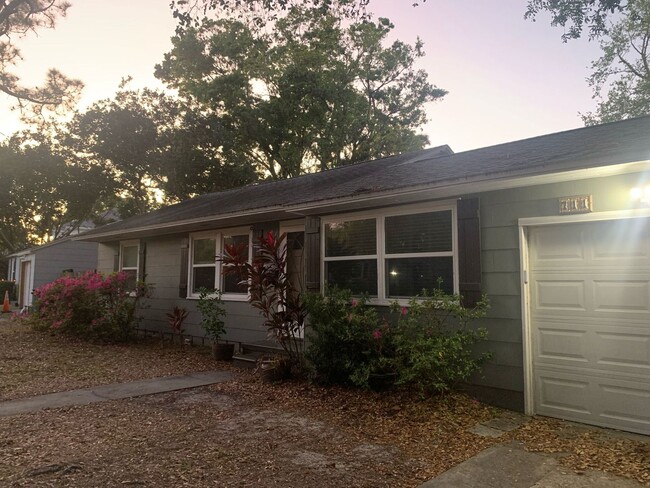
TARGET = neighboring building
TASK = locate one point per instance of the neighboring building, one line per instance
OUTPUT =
(547, 227)
(34, 267)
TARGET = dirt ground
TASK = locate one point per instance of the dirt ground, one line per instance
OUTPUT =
(247, 433)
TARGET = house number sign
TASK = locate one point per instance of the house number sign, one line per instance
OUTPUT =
(576, 204)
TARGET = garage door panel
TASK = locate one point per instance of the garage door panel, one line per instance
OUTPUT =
(623, 351)
(625, 403)
(560, 344)
(595, 346)
(560, 295)
(561, 396)
(619, 241)
(621, 405)
(556, 246)
(621, 295)
(590, 316)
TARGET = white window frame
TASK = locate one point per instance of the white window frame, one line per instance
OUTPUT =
(381, 256)
(132, 243)
(217, 235)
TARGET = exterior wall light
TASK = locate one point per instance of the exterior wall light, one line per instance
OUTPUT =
(641, 194)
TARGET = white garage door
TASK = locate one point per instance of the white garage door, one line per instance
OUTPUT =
(590, 316)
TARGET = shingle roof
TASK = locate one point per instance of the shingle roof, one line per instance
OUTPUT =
(607, 144)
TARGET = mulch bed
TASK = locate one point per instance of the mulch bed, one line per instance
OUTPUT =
(247, 433)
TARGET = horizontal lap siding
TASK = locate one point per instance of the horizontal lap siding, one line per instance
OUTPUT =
(163, 266)
(52, 260)
(500, 262)
(106, 257)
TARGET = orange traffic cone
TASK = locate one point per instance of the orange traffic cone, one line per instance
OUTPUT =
(5, 305)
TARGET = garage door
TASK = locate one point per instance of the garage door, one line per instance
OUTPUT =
(590, 317)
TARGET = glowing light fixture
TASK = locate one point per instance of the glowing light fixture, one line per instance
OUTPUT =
(393, 273)
(641, 194)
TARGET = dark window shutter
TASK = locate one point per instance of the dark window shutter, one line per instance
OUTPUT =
(469, 251)
(142, 260)
(185, 257)
(312, 254)
(116, 259)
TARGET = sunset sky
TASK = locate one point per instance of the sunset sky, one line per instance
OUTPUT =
(508, 78)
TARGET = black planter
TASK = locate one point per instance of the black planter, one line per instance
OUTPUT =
(223, 352)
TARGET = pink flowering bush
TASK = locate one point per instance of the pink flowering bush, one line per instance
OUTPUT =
(89, 306)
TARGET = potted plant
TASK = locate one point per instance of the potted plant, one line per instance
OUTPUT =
(176, 318)
(212, 313)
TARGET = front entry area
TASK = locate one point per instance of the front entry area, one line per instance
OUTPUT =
(589, 322)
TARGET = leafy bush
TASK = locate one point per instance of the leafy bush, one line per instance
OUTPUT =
(428, 346)
(89, 306)
(434, 344)
(212, 311)
(347, 339)
(9, 286)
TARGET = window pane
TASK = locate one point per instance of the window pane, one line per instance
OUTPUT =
(359, 276)
(205, 251)
(229, 284)
(236, 241)
(203, 278)
(427, 232)
(132, 278)
(130, 256)
(407, 277)
(351, 238)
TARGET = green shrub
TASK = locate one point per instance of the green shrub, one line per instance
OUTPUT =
(9, 286)
(434, 345)
(210, 305)
(347, 339)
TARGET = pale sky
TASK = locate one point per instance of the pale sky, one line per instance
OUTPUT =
(507, 78)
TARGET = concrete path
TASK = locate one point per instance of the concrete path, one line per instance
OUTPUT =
(510, 466)
(112, 392)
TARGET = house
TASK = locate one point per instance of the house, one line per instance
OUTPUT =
(554, 229)
(36, 266)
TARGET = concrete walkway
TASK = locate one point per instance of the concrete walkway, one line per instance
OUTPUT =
(510, 466)
(112, 392)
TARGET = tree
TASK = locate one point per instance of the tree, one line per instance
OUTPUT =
(621, 76)
(574, 15)
(311, 93)
(17, 19)
(155, 148)
(43, 197)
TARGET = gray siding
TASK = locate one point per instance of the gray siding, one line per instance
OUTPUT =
(500, 261)
(50, 261)
(163, 272)
(106, 257)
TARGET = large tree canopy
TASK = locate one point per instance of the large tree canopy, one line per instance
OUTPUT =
(575, 15)
(43, 196)
(17, 19)
(621, 76)
(311, 93)
(154, 148)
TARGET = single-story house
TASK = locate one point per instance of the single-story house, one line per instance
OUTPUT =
(554, 229)
(36, 266)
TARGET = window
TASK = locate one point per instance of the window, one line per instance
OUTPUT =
(129, 261)
(391, 255)
(206, 269)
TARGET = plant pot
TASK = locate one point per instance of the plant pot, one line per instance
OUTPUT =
(382, 381)
(222, 352)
